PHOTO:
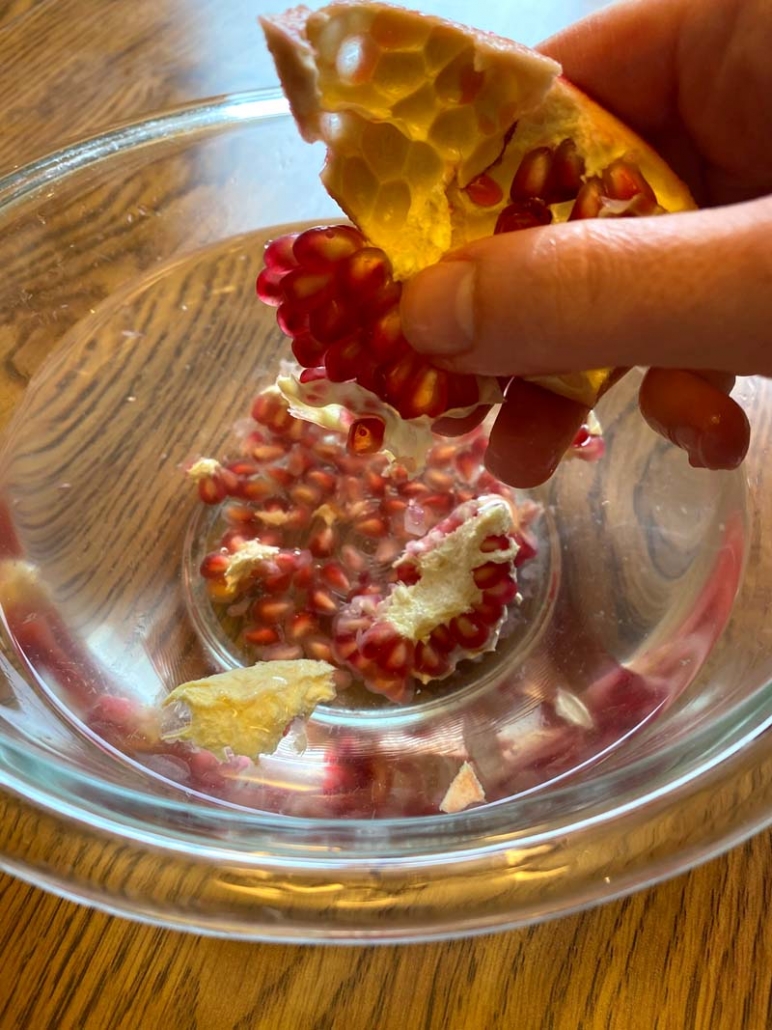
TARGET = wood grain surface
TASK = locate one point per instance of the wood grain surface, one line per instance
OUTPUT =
(692, 953)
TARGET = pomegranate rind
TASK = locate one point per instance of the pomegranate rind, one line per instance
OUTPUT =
(464, 790)
(412, 108)
(407, 104)
(247, 710)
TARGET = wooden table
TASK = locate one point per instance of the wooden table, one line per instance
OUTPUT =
(691, 953)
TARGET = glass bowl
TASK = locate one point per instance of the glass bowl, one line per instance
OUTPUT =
(618, 731)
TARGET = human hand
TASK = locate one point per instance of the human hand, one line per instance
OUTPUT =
(688, 291)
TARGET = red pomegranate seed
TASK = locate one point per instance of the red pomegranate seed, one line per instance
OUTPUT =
(307, 350)
(484, 191)
(270, 409)
(318, 648)
(463, 391)
(214, 565)
(343, 359)
(301, 625)
(386, 339)
(490, 574)
(323, 480)
(489, 610)
(279, 253)
(372, 526)
(623, 181)
(525, 214)
(306, 494)
(467, 464)
(397, 374)
(322, 542)
(312, 375)
(345, 649)
(565, 177)
(495, 543)
(306, 290)
(407, 573)
(430, 661)
(365, 273)
(211, 490)
(261, 636)
(366, 435)
(322, 601)
(282, 653)
(442, 639)
(271, 609)
(318, 248)
(505, 591)
(441, 455)
(335, 577)
(589, 202)
(353, 559)
(291, 319)
(375, 484)
(530, 179)
(426, 393)
(331, 321)
(440, 504)
(268, 287)
(469, 631)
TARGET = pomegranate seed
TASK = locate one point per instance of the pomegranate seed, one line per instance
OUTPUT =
(489, 610)
(467, 464)
(440, 504)
(495, 543)
(277, 582)
(271, 609)
(322, 601)
(312, 375)
(505, 591)
(441, 455)
(430, 661)
(211, 490)
(279, 254)
(324, 481)
(270, 409)
(375, 484)
(282, 653)
(343, 358)
(335, 577)
(214, 565)
(318, 648)
(219, 591)
(268, 287)
(307, 350)
(442, 639)
(365, 273)
(322, 542)
(291, 319)
(261, 636)
(525, 214)
(306, 290)
(623, 181)
(427, 393)
(306, 494)
(407, 573)
(488, 575)
(589, 202)
(331, 321)
(469, 631)
(366, 435)
(386, 339)
(530, 179)
(372, 526)
(565, 176)
(301, 625)
(484, 191)
(392, 506)
(353, 559)
(318, 248)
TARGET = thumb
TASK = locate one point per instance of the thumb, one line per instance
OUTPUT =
(689, 290)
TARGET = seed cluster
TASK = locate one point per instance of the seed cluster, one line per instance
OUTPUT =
(330, 533)
(338, 301)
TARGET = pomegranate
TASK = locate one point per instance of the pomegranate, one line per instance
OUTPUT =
(436, 135)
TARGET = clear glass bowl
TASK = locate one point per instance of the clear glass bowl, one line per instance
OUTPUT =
(619, 730)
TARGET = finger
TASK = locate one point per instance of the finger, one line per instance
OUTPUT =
(697, 416)
(532, 432)
(690, 290)
(624, 56)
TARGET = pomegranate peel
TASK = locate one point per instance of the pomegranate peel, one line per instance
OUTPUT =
(436, 134)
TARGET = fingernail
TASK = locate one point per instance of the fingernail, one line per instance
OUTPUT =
(438, 309)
